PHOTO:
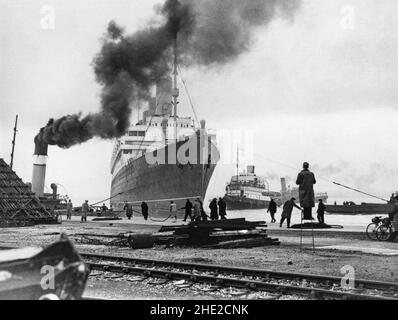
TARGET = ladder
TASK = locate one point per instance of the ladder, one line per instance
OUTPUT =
(301, 232)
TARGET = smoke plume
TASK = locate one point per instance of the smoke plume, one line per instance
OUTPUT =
(208, 33)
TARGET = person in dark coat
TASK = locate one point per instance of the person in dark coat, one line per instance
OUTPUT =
(213, 209)
(129, 209)
(321, 212)
(144, 210)
(272, 207)
(85, 210)
(188, 210)
(222, 208)
(305, 181)
(287, 211)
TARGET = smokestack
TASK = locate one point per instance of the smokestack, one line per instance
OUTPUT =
(203, 124)
(283, 184)
(39, 167)
(163, 96)
(54, 187)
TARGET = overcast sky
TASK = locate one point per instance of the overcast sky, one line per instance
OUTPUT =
(321, 88)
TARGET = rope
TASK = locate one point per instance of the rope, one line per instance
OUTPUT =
(91, 205)
(370, 195)
(143, 139)
(155, 220)
(189, 95)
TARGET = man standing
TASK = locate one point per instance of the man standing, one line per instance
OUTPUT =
(144, 210)
(213, 209)
(129, 209)
(321, 212)
(287, 211)
(222, 208)
(69, 208)
(272, 210)
(85, 210)
(305, 181)
(188, 210)
(173, 210)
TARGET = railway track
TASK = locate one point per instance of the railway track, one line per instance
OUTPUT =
(283, 283)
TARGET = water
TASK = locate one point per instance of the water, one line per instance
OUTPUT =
(333, 219)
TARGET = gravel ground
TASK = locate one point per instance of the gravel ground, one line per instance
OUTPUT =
(285, 257)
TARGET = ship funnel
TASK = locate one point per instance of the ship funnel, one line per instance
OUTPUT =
(39, 167)
(54, 187)
(250, 169)
(203, 124)
(283, 185)
(164, 88)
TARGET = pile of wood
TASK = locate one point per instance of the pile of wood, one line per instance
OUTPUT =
(218, 234)
(18, 205)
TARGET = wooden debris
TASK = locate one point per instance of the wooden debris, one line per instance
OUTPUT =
(232, 233)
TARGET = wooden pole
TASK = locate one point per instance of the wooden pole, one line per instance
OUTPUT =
(13, 141)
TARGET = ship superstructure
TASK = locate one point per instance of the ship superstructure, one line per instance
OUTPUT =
(248, 191)
(164, 157)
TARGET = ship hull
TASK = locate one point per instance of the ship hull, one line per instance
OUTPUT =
(158, 184)
(241, 203)
(366, 208)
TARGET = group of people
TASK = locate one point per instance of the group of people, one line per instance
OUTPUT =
(128, 207)
(195, 212)
(305, 181)
(84, 210)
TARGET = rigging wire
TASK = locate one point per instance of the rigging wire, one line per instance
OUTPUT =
(188, 95)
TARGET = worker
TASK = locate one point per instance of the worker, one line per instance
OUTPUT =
(287, 211)
(272, 207)
(104, 208)
(321, 211)
(213, 209)
(129, 209)
(144, 210)
(392, 198)
(188, 210)
(222, 208)
(197, 210)
(85, 210)
(305, 181)
(69, 208)
(173, 210)
(394, 217)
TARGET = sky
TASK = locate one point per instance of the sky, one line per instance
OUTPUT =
(321, 88)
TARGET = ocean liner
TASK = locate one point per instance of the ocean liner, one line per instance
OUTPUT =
(164, 157)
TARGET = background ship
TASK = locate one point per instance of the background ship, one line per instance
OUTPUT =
(162, 132)
(248, 191)
(350, 208)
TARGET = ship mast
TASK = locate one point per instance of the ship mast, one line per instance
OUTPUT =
(175, 74)
(13, 142)
(237, 164)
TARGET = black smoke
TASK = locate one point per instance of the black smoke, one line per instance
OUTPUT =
(208, 33)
